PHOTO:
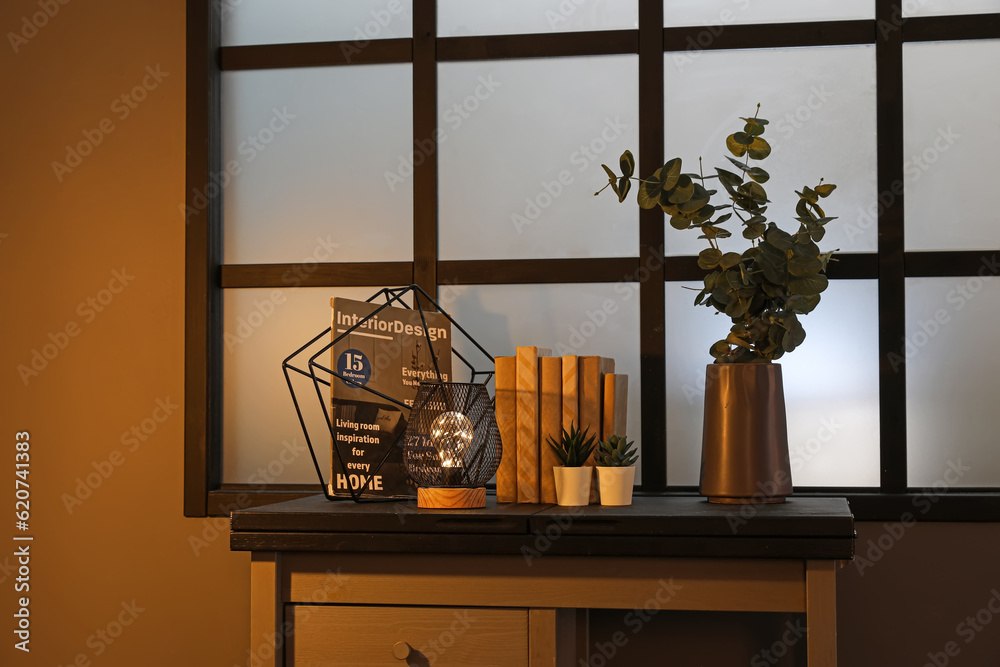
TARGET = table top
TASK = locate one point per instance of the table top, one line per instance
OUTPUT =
(672, 526)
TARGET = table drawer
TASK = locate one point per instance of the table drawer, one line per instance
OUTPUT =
(358, 636)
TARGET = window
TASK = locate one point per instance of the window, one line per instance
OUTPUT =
(456, 144)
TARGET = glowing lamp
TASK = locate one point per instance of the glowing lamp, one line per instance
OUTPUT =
(451, 446)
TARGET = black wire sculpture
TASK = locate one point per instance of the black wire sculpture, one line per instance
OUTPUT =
(393, 297)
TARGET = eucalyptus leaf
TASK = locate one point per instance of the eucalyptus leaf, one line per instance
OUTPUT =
(704, 214)
(779, 238)
(729, 180)
(802, 304)
(709, 258)
(624, 185)
(795, 334)
(736, 148)
(719, 349)
(776, 276)
(753, 231)
(759, 149)
(756, 193)
(804, 266)
(737, 308)
(679, 222)
(734, 279)
(681, 192)
(825, 189)
(736, 340)
(672, 209)
(773, 289)
(711, 232)
(730, 259)
(627, 164)
(808, 286)
(722, 296)
(663, 179)
(742, 166)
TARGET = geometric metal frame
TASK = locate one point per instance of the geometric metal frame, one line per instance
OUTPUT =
(392, 296)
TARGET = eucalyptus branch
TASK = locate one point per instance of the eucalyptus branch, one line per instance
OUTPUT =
(762, 292)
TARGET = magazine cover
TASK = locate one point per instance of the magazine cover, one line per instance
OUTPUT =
(388, 354)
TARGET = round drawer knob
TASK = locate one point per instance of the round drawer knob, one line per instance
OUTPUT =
(401, 650)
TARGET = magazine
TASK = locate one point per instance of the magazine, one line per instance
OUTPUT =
(387, 353)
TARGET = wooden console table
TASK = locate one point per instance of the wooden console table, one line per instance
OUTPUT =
(345, 584)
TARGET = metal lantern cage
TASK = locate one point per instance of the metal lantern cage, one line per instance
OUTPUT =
(487, 444)
(452, 439)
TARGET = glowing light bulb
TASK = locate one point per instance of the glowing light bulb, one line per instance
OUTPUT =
(451, 433)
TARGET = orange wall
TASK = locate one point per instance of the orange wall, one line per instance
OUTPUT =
(116, 211)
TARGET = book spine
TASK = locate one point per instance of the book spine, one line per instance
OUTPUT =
(615, 405)
(592, 371)
(550, 400)
(506, 413)
(591, 409)
(570, 392)
(527, 425)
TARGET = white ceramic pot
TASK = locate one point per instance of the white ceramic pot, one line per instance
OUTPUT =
(616, 484)
(573, 485)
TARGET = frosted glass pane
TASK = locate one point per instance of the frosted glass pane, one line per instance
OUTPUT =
(260, 428)
(594, 319)
(286, 21)
(314, 149)
(821, 106)
(831, 386)
(942, 7)
(720, 13)
(951, 137)
(951, 372)
(520, 157)
(487, 17)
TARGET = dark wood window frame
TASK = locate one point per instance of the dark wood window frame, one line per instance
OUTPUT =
(206, 276)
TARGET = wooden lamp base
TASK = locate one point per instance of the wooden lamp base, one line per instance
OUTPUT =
(451, 498)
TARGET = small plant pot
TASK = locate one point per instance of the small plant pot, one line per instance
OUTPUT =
(616, 484)
(573, 485)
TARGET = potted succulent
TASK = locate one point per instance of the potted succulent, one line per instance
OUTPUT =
(573, 478)
(616, 459)
(763, 290)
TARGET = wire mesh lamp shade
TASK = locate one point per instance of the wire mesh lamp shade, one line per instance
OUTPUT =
(451, 446)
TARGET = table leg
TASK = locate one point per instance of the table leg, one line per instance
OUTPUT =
(557, 637)
(542, 638)
(821, 612)
(268, 633)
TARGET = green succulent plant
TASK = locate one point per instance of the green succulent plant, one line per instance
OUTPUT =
(616, 452)
(765, 288)
(574, 448)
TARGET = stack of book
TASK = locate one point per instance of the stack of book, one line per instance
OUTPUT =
(539, 395)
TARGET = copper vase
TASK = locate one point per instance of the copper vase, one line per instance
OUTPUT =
(744, 450)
